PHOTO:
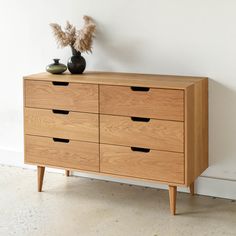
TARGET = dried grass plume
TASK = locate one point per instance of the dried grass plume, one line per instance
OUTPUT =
(81, 40)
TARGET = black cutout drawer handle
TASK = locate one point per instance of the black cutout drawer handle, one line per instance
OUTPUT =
(61, 140)
(140, 119)
(59, 83)
(60, 112)
(138, 149)
(140, 89)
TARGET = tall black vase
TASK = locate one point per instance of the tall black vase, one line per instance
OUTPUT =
(76, 64)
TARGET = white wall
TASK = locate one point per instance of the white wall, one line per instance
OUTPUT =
(185, 37)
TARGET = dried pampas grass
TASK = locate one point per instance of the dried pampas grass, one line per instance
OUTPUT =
(80, 40)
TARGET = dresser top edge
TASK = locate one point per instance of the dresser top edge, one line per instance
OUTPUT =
(121, 79)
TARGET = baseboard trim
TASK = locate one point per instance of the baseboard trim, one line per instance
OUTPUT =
(205, 185)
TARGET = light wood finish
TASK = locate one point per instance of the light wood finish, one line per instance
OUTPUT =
(122, 79)
(196, 126)
(110, 117)
(75, 154)
(155, 134)
(67, 173)
(99, 174)
(189, 134)
(73, 97)
(165, 104)
(40, 170)
(191, 188)
(172, 198)
(155, 165)
(74, 125)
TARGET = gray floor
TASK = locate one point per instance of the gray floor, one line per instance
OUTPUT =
(84, 207)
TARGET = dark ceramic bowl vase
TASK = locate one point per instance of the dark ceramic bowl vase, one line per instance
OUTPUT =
(76, 64)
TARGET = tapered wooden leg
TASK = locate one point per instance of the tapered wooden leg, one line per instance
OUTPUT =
(172, 197)
(67, 172)
(191, 187)
(41, 171)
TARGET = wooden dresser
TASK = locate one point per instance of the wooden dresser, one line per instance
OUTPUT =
(149, 127)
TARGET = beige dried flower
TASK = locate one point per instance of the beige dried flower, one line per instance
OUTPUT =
(85, 37)
(60, 35)
(80, 40)
(70, 31)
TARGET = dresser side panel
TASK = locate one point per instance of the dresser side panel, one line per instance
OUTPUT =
(196, 130)
(201, 127)
(189, 135)
(24, 81)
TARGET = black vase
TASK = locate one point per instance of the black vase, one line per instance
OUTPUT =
(76, 64)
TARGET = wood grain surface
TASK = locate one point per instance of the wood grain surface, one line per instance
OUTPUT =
(121, 79)
(164, 104)
(157, 165)
(73, 97)
(74, 125)
(75, 154)
(196, 126)
(155, 134)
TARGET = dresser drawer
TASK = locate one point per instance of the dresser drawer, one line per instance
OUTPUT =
(61, 153)
(149, 133)
(61, 124)
(142, 163)
(142, 102)
(61, 95)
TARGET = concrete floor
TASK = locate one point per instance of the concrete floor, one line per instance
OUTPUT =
(76, 206)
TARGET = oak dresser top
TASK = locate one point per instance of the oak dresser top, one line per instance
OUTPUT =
(121, 79)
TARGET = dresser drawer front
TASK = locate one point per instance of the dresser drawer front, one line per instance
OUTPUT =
(154, 165)
(62, 95)
(133, 101)
(61, 124)
(154, 134)
(75, 154)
